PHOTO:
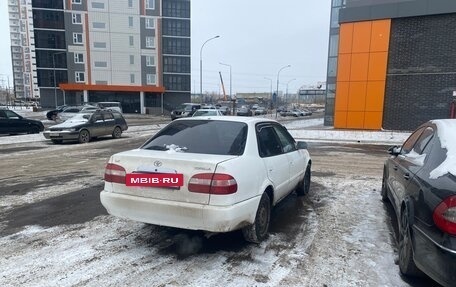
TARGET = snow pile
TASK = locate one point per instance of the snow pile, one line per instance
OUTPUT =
(446, 130)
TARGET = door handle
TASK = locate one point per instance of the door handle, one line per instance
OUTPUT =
(395, 167)
(407, 176)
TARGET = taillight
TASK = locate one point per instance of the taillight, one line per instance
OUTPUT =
(445, 215)
(114, 173)
(212, 183)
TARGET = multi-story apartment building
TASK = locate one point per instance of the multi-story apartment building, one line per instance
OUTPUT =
(22, 49)
(392, 63)
(136, 52)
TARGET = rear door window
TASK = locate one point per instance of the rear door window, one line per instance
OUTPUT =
(268, 142)
(201, 136)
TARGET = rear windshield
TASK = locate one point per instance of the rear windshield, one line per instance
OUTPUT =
(201, 136)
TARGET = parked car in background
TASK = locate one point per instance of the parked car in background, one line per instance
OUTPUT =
(114, 106)
(419, 179)
(306, 112)
(244, 111)
(184, 110)
(52, 114)
(12, 123)
(85, 126)
(228, 173)
(261, 111)
(224, 110)
(290, 113)
(207, 113)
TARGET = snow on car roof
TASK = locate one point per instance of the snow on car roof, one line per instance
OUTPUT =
(446, 131)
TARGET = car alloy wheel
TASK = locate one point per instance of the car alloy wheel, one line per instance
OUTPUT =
(117, 133)
(304, 185)
(34, 130)
(406, 263)
(84, 136)
(258, 231)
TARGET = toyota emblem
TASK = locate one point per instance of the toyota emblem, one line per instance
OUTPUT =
(157, 163)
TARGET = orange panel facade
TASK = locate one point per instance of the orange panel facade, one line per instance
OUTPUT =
(361, 74)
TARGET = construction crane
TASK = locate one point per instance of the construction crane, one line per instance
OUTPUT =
(223, 86)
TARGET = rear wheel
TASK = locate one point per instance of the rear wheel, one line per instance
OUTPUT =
(406, 263)
(117, 133)
(304, 185)
(34, 130)
(84, 136)
(258, 231)
(384, 192)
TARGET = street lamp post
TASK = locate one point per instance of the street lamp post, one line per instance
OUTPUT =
(270, 96)
(231, 83)
(55, 80)
(278, 75)
(201, 65)
(286, 93)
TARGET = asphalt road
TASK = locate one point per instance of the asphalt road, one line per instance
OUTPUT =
(54, 231)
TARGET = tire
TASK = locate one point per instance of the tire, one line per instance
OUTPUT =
(57, 141)
(84, 136)
(384, 191)
(258, 231)
(117, 132)
(304, 185)
(34, 130)
(406, 264)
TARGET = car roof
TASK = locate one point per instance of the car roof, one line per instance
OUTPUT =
(247, 120)
(206, 110)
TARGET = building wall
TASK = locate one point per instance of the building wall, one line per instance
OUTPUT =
(361, 74)
(421, 71)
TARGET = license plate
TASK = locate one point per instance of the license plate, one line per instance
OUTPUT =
(54, 135)
(167, 180)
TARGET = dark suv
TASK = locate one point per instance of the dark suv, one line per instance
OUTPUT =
(184, 110)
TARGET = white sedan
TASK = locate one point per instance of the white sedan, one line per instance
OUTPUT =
(212, 174)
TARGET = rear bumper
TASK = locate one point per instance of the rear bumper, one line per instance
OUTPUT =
(181, 214)
(437, 261)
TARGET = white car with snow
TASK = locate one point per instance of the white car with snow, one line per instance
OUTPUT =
(212, 174)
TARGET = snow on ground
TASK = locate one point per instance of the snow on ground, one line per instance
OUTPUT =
(108, 251)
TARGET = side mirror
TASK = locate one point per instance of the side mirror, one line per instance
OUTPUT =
(394, 150)
(301, 145)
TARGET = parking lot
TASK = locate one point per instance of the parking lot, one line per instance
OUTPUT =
(54, 231)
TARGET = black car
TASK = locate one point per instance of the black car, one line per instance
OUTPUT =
(184, 110)
(419, 179)
(12, 123)
(85, 126)
(52, 114)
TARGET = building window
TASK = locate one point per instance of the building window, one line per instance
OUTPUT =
(98, 5)
(130, 3)
(150, 42)
(130, 21)
(79, 77)
(132, 78)
(333, 45)
(78, 58)
(332, 66)
(77, 38)
(99, 25)
(132, 41)
(151, 79)
(132, 60)
(77, 18)
(76, 1)
(150, 24)
(100, 64)
(99, 45)
(150, 4)
(150, 61)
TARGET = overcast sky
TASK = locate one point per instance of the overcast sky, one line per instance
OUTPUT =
(257, 38)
